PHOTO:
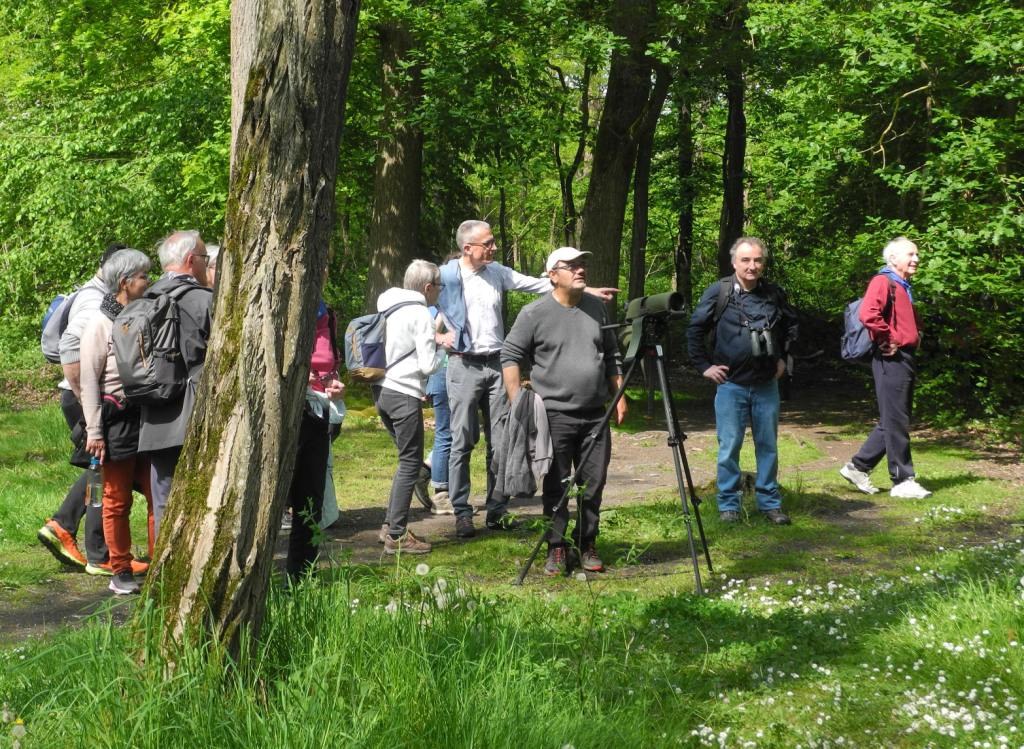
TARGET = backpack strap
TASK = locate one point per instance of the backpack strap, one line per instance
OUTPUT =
(387, 313)
(724, 292)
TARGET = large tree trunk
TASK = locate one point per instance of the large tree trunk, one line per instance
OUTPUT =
(687, 195)
(730, 226)
(216, 548)
(642, 185)
(398, 175)
(566, 176)
(629, 83)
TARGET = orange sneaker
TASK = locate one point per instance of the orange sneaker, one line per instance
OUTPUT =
(61, 544)
(104, 569)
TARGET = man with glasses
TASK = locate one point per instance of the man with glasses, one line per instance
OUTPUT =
(575, 368)
(752, 330)
(473, 287)
(184, 259)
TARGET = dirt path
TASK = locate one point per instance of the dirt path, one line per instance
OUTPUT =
(641, 463)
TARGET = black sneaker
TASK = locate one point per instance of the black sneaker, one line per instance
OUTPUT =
(124, 584)
(464, 526)
(505, 523)
(555, 563)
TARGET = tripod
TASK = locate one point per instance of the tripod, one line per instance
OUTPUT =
(648, 331)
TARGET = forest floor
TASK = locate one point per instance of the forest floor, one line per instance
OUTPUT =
(822, 425)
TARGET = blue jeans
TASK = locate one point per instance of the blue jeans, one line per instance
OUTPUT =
(442, 449)
(735, 407)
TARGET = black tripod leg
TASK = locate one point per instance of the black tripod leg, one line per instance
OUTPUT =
(696, 502)
(678, 460)
(583, 459)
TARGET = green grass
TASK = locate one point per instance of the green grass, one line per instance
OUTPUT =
(868, 622)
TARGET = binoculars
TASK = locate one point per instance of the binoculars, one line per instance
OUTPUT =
(762, 343)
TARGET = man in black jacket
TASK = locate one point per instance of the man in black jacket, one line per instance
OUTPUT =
(753, 325)
(183, 257)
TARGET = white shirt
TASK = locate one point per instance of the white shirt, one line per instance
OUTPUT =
(482, 290)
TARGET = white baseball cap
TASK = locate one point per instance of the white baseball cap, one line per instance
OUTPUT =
(565, 255)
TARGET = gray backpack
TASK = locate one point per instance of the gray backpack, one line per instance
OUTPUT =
(146, 339)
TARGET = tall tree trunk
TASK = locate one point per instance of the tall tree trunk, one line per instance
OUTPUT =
(398, 174)
(216, 548)
(730, 227)
(629, 83)
(566, 176)
(642, 184)
(687, 195)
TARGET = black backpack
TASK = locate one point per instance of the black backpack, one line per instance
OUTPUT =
(146, 339)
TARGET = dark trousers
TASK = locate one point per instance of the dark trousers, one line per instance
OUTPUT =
(306, 494)
(569, 431)
(894, 389)
(73, 508)
(403, 418)
(161, 474)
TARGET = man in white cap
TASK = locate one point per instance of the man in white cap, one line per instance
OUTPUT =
(473, 286)
(575, 369)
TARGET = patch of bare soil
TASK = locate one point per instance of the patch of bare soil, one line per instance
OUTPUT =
(820, 413)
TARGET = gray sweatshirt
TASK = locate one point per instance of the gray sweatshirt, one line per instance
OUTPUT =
(572, 358)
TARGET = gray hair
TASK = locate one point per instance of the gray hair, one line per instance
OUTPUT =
(419, 274)
(753, 242)
(122, 265)
(465, 229)
(213, 250)
(174, 248)
(894, 247)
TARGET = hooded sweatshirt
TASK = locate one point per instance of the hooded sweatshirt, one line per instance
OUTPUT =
(409, 329)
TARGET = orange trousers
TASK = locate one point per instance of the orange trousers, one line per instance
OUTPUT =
(118, 478)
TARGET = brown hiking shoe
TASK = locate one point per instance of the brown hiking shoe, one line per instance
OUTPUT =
(590, 561)
(555, 563)
(407, 544)
(61, 544)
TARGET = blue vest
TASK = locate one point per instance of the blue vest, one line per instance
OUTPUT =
(452, 302)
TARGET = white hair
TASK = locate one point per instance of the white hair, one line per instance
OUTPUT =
(122, 265)
(465, 229)
(174, 248)
(213, 250)
(419, 274)
(894, 247)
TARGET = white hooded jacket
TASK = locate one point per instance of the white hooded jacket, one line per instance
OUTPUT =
(409, 328)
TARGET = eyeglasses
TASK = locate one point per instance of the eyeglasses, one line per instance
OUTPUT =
(571, 267)
(204, 257)
(488, 243)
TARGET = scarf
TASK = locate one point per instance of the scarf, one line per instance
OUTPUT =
(890, 273)
(110, 306)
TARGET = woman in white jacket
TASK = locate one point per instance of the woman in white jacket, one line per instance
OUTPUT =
(414, 351)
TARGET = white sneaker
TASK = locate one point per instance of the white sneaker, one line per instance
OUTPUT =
(858, 478)
(909, 489)
(442, 505)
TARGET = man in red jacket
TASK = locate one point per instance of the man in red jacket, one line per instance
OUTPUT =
(889, 316)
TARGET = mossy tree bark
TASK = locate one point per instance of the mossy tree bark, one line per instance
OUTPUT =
(291, 60)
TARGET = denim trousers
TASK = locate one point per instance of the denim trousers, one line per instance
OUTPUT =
(402, 416)
(735, 407)
(442, 450)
